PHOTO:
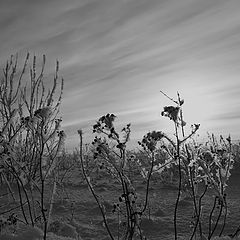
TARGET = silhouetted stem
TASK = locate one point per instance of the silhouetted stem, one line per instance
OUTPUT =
(199, 214)
(180, 183)
(18, 179)
(178, 198)
(218, 218)
(91, 188)
(195, 204)
(43, 210)
(148, 184)
(210, 219)
(189, 136)
(199, 206)
(169, 97)
(29, 205)
(225, 217)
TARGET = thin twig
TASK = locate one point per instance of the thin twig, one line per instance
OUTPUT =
(210, 218)
(91, 188)
(169, 97)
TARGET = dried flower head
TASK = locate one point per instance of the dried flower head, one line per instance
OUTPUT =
(171, 112)
(151, 139)
(43, 113)
(80, 132)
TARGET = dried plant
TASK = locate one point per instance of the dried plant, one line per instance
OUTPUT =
(31, 138)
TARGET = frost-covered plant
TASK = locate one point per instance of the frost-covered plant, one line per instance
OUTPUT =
(175, 114)
(31, 137)
(216, 162)
(208, 164)
(111, 156)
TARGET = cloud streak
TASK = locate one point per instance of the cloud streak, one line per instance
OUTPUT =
(116, 55)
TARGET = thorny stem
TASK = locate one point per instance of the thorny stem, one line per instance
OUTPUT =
(181, 115)
(148, 183)
(19, 184)
(126, 196)
(178, 198)
(218, 218)
(42, 179)
(29, 205)
(224, 197)
(125, 192)
(189, 136)
(210, 218)
(199, 214)
(225, 216)
(131, 214)
(140, 233)
(200, 208)
(91, 188)
(197, 210)
(171, 141)
(180, 182)
(195, 203)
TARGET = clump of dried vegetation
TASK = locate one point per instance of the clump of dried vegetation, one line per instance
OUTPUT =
(32, 162)
(30, 140)
(207, 164)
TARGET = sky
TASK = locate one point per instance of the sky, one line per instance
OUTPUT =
(116, 55)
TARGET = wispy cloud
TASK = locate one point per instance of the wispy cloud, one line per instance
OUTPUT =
(115, 56)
